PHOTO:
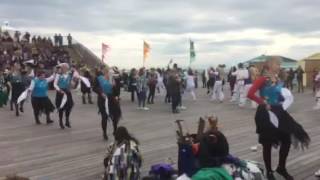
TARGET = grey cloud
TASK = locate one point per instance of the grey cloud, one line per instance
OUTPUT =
(145, 16)
(243, 42)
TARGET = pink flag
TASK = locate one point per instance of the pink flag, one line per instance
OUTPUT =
(105, 49)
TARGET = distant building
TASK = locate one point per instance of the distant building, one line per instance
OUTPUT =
(286, 63)
(309, 64)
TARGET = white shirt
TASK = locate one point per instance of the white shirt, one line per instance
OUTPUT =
(56, 80)
(190, 81)
(241, 74)
(65, 75)
(49, 79)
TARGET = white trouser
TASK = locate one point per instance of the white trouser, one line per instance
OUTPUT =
(160, 86)
(243, 94)
(191, 90)
(317, 106)
(217, 91)
(239, 91)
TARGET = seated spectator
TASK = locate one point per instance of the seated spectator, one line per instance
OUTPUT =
(211, 159)
(125, 145)
(213, 151)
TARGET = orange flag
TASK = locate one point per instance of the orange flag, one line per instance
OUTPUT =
(146, 51)
(105, 49)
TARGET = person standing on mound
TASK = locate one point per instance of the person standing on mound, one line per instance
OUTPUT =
(275, 126)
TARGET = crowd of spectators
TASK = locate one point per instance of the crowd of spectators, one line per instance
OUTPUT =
(15, 46)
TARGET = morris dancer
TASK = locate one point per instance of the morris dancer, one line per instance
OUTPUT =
(62, 84)
(40, 100)
(85, 90)
(275, 125)
(106, 96)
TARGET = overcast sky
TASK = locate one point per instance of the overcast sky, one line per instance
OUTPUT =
(224, 31)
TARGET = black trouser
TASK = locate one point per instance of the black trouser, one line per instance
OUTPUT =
(289, 84)
(36, 109)
(84, 98)
(36, 114)
(152, 91)
(67, 115)
(67, 107)
(196, 83)
(204, 83)
(300, 85)
(283, 154)
(16, 106)
(176, 99)
(167, 98)
(133, 92)
(105, 116)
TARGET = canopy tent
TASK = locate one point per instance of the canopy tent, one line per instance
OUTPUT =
(286, 63)
(309, 65)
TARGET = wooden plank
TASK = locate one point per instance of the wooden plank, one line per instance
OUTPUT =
(46, 152)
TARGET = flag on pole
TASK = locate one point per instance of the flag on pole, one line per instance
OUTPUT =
(146, 51)
(105, 49)
(192, 52)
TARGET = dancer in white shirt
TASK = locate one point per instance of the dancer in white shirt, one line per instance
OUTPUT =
(217, 93)
(240, 95)
(191, 84)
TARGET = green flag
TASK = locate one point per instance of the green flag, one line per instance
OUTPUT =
(192, 52)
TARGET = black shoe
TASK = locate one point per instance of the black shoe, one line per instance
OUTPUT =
(105, 137)
(17, 113)
(284, 173)
(270, 176)
(61, 126)
(49, 121)
(38, 122)
(68, 125)
(21, 109)
(176, 111)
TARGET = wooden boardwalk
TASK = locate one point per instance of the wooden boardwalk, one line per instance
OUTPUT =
(48, 153)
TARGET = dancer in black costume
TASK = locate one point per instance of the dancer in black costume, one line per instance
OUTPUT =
(275, 125)
(105, 90)
(62, 84)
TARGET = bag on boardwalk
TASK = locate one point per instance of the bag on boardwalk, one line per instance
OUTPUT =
(162, 172)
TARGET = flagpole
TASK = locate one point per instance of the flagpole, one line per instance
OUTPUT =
(189, 53)
(143, 58)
